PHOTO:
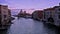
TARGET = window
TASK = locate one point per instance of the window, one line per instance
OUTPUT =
(0, 19)
(0, 11)
(4, 11)
(4, 16)
(59, 9)
(58, 12)
(59, 16)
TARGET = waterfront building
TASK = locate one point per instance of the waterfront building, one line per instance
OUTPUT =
(20, 14)
(24, 14)
(37, 14)
(49, 12)
(57, 15)
(9, 13)
(54, 13)
(5, 15)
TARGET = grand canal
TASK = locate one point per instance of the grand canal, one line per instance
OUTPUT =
(30, 26)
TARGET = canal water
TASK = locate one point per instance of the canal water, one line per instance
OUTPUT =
(30, 26)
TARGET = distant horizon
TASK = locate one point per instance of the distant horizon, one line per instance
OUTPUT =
(30, 4)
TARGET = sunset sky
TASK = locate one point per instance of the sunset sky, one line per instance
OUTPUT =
(30, 4)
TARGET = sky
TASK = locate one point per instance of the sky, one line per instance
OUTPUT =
(30, 4)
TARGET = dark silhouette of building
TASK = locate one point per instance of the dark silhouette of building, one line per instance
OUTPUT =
(37, 14)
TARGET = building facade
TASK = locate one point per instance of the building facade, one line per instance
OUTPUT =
(22, 13)
(49, 13)
(37, 14)
(57, 15)
(5, 15)
(54, 13)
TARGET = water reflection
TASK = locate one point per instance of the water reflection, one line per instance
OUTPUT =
(3, 32)
(51, 29)
(30, 26)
